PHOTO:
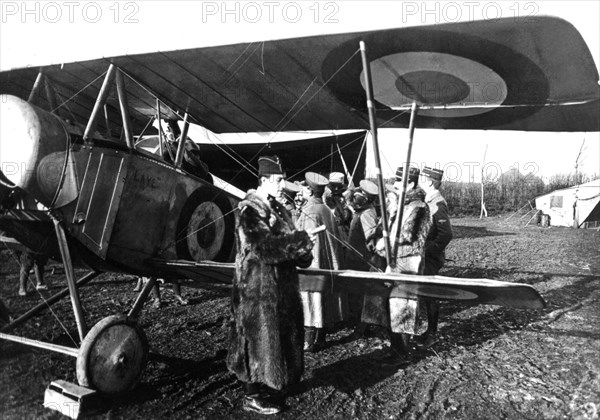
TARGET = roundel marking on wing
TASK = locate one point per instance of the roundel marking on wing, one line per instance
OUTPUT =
(455, 58)
(205, 227)
(433, 78)
(205, 231)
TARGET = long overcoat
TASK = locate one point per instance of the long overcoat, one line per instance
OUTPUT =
(322, 309)
(405, 316)
(266, 335)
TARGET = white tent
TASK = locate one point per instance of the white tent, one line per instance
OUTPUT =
(578, 206)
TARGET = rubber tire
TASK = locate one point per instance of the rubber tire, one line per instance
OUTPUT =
(92, 363)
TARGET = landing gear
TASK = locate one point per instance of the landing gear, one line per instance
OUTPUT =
(112, 355)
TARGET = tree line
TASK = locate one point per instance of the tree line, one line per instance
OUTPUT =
(511, 191)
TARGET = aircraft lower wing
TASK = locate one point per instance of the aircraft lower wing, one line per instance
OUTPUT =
(482, 291)
(11, 243)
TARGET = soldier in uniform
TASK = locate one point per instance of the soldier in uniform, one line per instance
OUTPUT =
(334, 198)
(409, 258)
(288, 195)
(361, 236)
(438, 239)
(266, 334)
(321, 310)
(361, 243)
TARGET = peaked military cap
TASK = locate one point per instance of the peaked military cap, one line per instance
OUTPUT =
(369, 188)
(291, 189)
(269, 165)
(336, 178)
(336, 182)
(435, 174)
(316, 181)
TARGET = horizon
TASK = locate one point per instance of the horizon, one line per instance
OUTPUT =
(59, 32)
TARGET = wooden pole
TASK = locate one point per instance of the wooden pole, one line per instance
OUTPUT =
(124, 110)
(400, 215)
(100, 101)
(139, 302)
(182, 139)
(373, 125)
(69, 351)
(50, 95)
(70, 274)
(160, 133)
(36, 86)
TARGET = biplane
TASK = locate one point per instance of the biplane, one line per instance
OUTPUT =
(70, 134)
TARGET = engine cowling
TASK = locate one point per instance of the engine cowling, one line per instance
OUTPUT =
(33, 146)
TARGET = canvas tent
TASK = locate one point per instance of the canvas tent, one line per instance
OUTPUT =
(577, 206)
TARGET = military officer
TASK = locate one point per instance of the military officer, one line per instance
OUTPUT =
(288, 195)
(438, 239)
(334, 198)
(321, 310)
(361, 240)
(265, 341)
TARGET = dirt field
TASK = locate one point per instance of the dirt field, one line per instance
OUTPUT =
(492, 362)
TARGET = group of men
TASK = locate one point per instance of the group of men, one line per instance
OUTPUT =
(322, 223)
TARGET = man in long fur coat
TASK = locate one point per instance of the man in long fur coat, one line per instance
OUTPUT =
(402, 311)
(266, 336)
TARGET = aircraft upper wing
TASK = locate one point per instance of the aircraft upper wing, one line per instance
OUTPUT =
(482, 291)
(533, 74)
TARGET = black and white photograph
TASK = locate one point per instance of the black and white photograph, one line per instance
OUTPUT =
(300, 209)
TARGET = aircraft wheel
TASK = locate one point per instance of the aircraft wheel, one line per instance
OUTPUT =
(112, 356)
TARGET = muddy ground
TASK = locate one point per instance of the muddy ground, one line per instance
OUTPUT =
(492, 362)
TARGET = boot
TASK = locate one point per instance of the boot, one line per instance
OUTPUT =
(309, 338)
(39, 277)
(319, 341)
(400, 342)
(138, 285)
(259, 402)
(23, 283)
(396, 355)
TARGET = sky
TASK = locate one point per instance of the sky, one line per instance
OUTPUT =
(49, 32)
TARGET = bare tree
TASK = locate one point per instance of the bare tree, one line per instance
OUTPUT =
(577, 182)
(483, 209)
(578, 162)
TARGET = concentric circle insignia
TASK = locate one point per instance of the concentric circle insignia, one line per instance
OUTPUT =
(432, 78)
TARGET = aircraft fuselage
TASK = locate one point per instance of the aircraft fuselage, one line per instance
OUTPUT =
(125, 206)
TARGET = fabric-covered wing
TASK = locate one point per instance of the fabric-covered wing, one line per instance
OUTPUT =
(483, 291)
(532, 74)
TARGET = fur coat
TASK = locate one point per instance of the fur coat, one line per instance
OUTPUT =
(266, 335)
(416, 223)
(406, 314)
(401, 315)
